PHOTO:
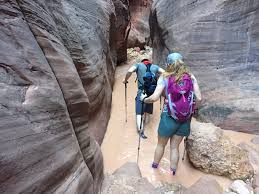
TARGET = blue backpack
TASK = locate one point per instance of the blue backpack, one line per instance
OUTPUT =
(150, 81)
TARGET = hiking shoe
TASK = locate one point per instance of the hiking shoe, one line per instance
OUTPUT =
(142, 135)
(154, 165)
(173, 171)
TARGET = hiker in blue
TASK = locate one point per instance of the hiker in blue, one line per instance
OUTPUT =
(143, 71)
(182, 97)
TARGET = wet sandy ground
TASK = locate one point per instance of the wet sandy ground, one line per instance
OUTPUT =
(120, 144)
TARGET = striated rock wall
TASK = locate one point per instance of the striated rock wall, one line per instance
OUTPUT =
(57, 64)
(139, 34)
(220, 42)
(122, 30)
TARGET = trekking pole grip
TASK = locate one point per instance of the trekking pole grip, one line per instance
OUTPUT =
(143, 101)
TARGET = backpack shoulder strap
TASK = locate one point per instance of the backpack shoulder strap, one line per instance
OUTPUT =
(166, 81)
(136, 74)
(137, 79)
(168, 96)
(166, 86)
(148, 67)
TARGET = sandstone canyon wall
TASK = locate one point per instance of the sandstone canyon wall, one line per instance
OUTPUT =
(57, 64)
(139, 34)
(220, 42)
(122, 28)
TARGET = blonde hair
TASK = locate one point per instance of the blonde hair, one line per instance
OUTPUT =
(176, 69)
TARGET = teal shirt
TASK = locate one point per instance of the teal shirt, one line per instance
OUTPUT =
(141, 70)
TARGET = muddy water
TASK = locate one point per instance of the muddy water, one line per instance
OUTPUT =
(120, 144)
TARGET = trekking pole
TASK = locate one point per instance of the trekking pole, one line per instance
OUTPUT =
(138, 146)
(140, 128)
(185, 142)
(160, 103)
(126, 101)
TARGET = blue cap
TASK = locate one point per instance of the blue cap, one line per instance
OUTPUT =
(171, 58)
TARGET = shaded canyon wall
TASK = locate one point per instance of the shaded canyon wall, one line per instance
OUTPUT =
(220, 42)
(122, 29)
(139, 35)
(57, 64)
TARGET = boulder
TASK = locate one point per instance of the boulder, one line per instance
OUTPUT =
(212, 152)
(204, 185)
(169, 188)
(127, 180)
(129, 169)
(136, 56)
(219, 41)
(126, 185)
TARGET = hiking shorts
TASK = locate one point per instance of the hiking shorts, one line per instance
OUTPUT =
(168, 126)
(148, 108)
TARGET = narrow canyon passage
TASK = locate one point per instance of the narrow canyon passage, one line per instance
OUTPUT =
(121, 140)
(61, 97)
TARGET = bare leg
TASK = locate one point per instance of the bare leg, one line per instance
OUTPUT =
(138, 119)
(160, 148)
(147, 118)
(140, 131)
(174, 147)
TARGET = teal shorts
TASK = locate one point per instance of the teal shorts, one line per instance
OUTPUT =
(169, 126)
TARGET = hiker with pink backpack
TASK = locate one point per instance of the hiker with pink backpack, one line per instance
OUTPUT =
(182, 96)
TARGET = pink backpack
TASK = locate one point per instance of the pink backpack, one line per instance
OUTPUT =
(180, 97)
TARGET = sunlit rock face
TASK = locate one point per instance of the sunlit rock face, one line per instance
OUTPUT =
(220, 43)
(139, 34)
(212, 152)
(57, 64)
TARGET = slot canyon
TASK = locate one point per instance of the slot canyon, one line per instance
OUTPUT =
(62, 103)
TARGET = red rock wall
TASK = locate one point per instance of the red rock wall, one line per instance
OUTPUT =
(57, 64)
(122, 30)
(140, 34)
(220, 42)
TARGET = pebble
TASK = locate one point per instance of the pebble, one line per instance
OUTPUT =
(255, 140)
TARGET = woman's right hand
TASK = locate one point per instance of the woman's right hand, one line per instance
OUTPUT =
(142, 97)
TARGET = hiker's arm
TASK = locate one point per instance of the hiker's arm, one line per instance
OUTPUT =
(197, 91)
(157, 93)
(161, 70)
(129, 73)
(155, 96)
